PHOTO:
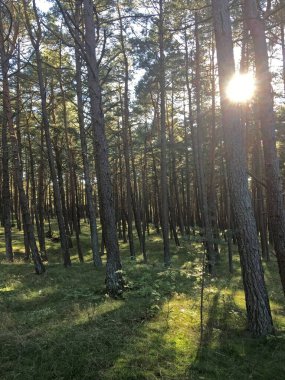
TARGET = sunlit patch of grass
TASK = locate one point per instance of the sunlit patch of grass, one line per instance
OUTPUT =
(239, 299)
(63, 326)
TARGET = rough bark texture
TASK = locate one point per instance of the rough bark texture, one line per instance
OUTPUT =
(276, 213)
(257, 303)
(114, 282)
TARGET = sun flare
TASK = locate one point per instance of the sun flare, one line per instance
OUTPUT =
(241, 88)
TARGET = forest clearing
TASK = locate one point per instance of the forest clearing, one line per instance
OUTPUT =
(142, 189)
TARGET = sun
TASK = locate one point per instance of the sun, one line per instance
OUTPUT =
(241, 88)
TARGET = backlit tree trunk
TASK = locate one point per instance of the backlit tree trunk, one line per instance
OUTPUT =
(257, 303)
(275, 204)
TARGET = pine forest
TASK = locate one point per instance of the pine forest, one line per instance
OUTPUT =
(142, 189)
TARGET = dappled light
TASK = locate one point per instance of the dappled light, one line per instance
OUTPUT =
(142, 223)
(156, 324)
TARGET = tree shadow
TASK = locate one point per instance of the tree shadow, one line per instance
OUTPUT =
(228, 351)
(62, 326)
(85, 339)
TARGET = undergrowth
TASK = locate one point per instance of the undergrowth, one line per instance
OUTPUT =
(62, 325)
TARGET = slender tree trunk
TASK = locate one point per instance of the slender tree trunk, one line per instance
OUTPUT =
(40, 199)
(6, 197)
(39, 267)
(163, 160)
(200, 162)
(56, 189)
(257, 303)
(212, 196)
(114, 281)
(85, 158)
(187, 178)
(34, 202)
(175, 181)
(71, 167)
(145, 200)
(125, 138)
(282, 30)
(261, 215)
(228, 212)
(6, 194)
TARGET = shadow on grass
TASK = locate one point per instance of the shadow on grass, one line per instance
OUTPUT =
(62, 326)
(62, 333)
(229, 352)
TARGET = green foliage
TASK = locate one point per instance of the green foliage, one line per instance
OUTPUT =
(62, 325)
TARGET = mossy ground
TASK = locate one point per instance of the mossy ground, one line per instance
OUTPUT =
(61, 325)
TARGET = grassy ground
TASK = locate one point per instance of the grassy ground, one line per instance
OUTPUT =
(61, 325)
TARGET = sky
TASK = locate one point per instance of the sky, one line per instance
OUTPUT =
(43, 5)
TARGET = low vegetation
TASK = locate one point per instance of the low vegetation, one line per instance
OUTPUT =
(62, 325)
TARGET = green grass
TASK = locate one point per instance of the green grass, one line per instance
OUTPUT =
(61, 325)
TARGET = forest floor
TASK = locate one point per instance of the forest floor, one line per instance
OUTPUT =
(61, 325)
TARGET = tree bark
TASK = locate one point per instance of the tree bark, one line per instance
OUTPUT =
(276, 212)
(6, 197)
(39, 267)
(125, 138)
(200, 162)
(163, 160)
(114, 281)
(85, 158)
(45, 120)
(282, 30)
(257, 303)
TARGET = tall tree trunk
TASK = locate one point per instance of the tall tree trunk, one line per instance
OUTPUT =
(71, 167)
(200, 162)
(257, 303)
(125, 138)
(145, 199)
(173, 166)
(212, 196)
(276, 212)
(187, 174)
(282, 30)
(261, 215)
(39, 267)
(163, 160)
(85, 158)
(6, 197)
(114, 281)
(57, 143)
(56, 190)
(34, 202)
(40, 200)
(229, 232)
